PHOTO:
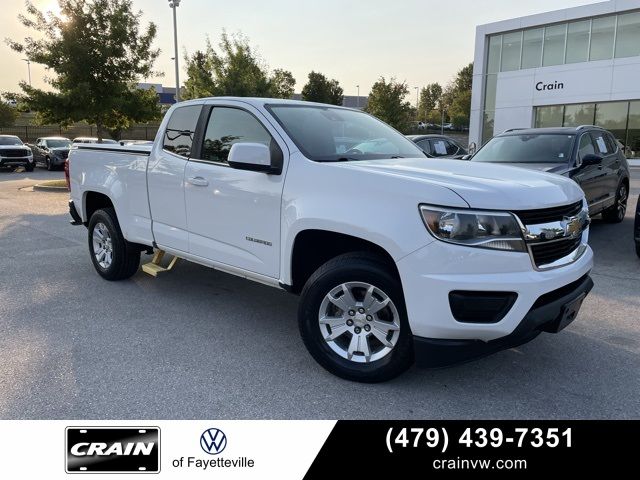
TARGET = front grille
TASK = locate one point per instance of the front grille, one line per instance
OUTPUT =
(14, 153)
(546, 215)
(64, 154)
(549, 252)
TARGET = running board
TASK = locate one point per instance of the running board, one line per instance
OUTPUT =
(154, 267)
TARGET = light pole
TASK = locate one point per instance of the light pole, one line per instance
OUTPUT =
(358, 98)
(175, 4)
(417, 102)
(28, 68)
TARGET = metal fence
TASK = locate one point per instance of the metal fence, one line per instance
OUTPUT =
(30, 133)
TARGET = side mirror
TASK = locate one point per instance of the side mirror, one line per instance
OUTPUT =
(591, 159)
(255, 157)
(465, 157)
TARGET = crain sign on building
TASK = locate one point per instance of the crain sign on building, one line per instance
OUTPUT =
(112, 450)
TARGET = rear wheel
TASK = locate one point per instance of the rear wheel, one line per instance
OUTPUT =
(353, 319)
(113, 257)
(616, 213)
(48, 162)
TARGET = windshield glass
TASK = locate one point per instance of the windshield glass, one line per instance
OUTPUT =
(327, 134)
(546, 148)
(10, 141)
(58, 143)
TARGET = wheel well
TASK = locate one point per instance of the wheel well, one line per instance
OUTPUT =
(95, 201)
(313, 248)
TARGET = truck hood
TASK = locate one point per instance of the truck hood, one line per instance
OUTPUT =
(14, 147)
(481, 185)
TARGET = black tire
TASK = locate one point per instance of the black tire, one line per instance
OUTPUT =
(48, 163)
(29, 167)
(125, 256)
(616, 213)
(354, 267)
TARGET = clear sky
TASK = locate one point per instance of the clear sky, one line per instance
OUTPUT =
(354, 41)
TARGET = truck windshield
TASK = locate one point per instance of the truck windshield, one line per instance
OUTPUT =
(58, 143)
(327, 134)
(543, 148)
(10, 141)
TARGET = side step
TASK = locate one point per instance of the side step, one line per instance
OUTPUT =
(154, 267)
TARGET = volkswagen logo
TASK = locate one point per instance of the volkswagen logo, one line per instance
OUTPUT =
(213, 441)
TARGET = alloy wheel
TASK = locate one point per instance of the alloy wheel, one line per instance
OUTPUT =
(102, 245)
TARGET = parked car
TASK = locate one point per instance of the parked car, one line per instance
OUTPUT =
(438, 146)
(50, 152)
(589, 155)
(94, 140)
(448, 126)
(394, 258)
(636, 228)
(14, 153)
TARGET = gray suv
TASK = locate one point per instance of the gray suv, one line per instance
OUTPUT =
(589, 155)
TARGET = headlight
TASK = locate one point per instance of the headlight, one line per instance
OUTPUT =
(472, 228)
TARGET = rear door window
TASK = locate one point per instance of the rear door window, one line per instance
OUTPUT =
(178, 137)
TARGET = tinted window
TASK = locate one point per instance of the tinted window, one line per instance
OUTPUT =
(228, 126)
(58, 143)
(586, 146)
(178, 137)
(547, 148)
(601, 143)
(443, 148)
(425, 145)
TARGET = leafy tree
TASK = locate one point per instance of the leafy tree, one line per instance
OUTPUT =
(236, 70)
(387, 102)
(8, 115)
(282, 84)
(98, 51)
(320, 89)
(429, 100)
(456, 98)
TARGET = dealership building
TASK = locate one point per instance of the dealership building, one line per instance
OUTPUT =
(578, 66)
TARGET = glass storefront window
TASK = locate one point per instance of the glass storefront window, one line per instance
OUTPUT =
(554, 41)
(578, 42)
(511, 50)
(628, 35)
(602, 34)
(532, 48)
(576, 115)
(487, 126)
(493, 59)
(613, 117)
(632, 145)
(490, 92)
(549, 116)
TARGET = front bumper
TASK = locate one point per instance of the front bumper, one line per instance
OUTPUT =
(545, 316)
(15, 161)
(57, 161)
(431, 273)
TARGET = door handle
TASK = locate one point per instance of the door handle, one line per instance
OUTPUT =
(198, 181)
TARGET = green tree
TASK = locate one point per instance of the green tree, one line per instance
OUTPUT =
(429, 100)
(387, 101)
(282, 84)
(320, 89)
(98, 52)
(8, 115)
(235, 70)
(456, 99)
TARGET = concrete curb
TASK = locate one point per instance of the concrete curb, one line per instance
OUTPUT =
(49, 188)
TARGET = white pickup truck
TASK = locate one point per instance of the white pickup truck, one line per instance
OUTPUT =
(396, 257)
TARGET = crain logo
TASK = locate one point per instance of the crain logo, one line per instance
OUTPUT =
(213, 441)
(113, 449)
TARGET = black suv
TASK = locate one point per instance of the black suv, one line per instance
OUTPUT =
(589, 155)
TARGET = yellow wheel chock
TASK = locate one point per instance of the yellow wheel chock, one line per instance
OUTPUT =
(154, 267)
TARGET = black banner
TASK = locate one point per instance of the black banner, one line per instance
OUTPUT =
(477, 448)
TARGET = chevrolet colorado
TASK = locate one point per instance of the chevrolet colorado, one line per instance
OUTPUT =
(395, 258)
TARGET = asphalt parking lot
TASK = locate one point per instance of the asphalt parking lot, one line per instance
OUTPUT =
(203, 344)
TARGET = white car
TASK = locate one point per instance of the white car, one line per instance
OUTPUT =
(14, 153)
(395, 258)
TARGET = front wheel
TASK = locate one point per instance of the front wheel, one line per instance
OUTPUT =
(29, 167)
(616, 213)
(48, 162)
(113, 257)
(353, 320)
